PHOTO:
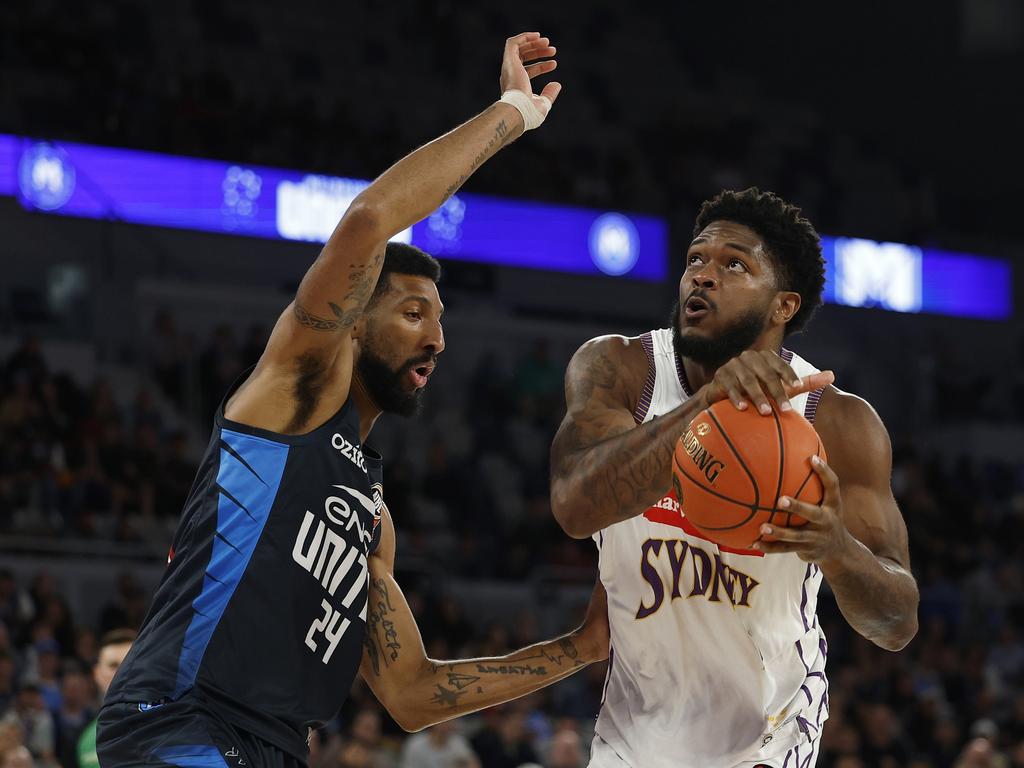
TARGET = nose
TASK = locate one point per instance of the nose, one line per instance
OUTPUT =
(434, 340)
(705, 279)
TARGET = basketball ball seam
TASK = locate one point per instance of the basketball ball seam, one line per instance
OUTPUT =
(754, 509)
(789, 515)
(743, 464)
(782, 464)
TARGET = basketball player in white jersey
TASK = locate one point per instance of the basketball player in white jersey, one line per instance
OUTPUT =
(717, 658)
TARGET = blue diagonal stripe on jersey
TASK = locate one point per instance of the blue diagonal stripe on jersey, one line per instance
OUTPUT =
(226, 493)
(191, 756)
(248, 478)
(225, 446)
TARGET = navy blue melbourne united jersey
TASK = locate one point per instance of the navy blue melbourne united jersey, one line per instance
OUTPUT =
(261, 612)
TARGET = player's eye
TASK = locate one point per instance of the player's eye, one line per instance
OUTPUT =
(413, 314)
(694, 258)
(737, 264)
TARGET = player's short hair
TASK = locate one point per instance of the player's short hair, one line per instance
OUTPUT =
(117, 637)
(403, 259)
(788, 237)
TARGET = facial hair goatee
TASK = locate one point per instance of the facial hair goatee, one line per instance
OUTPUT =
(384, 385)
(717, 350)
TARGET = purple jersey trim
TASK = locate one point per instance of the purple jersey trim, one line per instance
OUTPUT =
(644, 404)
(811, 409)
(681, 373)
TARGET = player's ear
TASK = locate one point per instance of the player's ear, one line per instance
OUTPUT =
(787, 304)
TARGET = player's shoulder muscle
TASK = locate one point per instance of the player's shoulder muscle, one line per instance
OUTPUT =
(602, 383)
(605, 370)
(854, 436)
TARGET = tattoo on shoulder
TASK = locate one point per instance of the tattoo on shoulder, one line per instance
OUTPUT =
(601, 372)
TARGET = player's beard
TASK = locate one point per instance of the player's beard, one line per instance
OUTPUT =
(384, 384)
(715, 351)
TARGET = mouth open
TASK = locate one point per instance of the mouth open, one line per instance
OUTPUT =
(696, 308)
(420, 374)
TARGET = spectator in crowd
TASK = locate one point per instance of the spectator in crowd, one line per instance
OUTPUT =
(438, 747)
(566, 750)
(76, 710)
(504, 742)
(7, 689)
(114, 646)
(30, 715)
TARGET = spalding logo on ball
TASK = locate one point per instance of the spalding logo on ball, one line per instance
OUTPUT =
(731, 467)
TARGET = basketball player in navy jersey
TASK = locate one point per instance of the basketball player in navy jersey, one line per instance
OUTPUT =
(279, 583)
(717, 658)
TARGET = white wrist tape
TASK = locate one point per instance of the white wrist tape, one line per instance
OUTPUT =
(532, 116)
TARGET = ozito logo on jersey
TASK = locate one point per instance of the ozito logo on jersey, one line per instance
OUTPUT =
(351, 452)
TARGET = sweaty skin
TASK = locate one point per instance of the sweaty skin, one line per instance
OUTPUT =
(606, 469)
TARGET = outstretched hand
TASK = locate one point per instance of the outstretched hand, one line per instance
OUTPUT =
(522, 62)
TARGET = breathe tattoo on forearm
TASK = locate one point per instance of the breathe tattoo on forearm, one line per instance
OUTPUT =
(554, 659)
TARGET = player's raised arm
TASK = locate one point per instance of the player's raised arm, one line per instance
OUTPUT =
(419, 692)
(310, 347)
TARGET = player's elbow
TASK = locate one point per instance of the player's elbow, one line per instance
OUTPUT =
(571, 516)
(366, 219)
(408, 719)
(900, 632)
(902, 637)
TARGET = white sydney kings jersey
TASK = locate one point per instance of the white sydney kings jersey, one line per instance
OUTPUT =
(717, 659)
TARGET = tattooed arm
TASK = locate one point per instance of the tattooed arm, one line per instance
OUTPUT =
(310, 348)
(605, 468)
(419, 692)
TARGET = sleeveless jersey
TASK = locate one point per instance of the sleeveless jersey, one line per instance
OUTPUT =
(717, 658)
(259, 617)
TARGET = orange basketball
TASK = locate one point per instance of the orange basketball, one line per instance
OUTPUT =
(731, 467)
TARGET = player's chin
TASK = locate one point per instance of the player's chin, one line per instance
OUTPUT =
(411, 404)
(698, 329)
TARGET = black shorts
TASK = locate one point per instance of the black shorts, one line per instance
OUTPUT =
(180, 733)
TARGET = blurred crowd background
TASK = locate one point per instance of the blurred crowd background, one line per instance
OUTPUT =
(876, 122)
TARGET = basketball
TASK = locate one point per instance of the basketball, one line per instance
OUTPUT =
(731, 467)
